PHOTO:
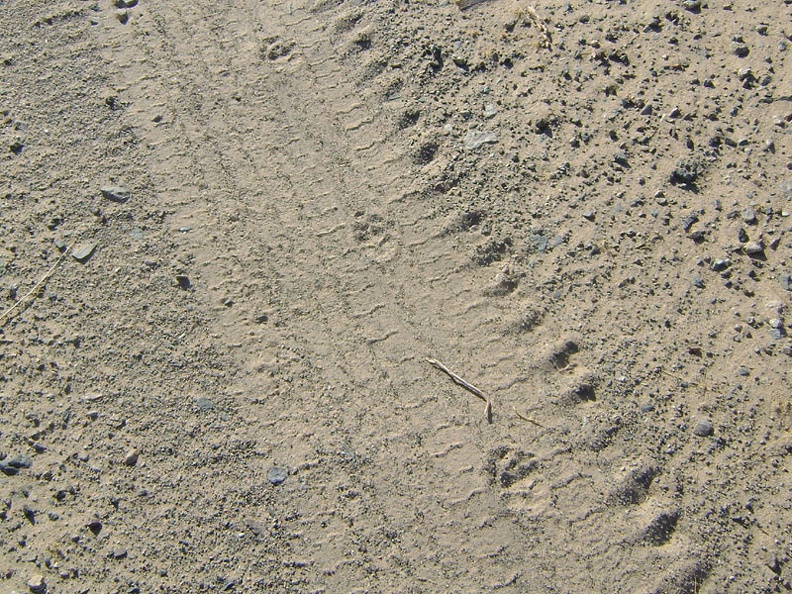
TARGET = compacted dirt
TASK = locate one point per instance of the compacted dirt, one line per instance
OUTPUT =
(234, 232)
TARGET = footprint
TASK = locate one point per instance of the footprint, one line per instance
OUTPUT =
(507, 466)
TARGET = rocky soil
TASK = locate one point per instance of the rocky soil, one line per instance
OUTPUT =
(233, 233)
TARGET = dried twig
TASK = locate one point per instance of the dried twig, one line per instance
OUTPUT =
(524, 418)
(465, 384)
(36, 287)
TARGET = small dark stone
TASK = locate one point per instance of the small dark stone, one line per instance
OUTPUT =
(741, 51)
(688, 221)
(204, 403)
(703, 428)
(693, 6)
(721, 264)
(754, 248)
(84, 252)
(126, 3)
(131, 457)
(749, 216)
(8, 470)
(620, 158)
(115, 193)
(742, 236)
(183, 281)
(20, 461)
(698, 282)
(94, 525)
(786, 281)
(118, 554)
(277, 475)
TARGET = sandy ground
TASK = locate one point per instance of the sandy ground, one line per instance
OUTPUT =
(282, 209)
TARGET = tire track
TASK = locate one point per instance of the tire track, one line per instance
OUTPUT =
(319, 225)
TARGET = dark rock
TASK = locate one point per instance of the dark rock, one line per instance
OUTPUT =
(693, 6)
(94, 525)
(83, 252)
(8, 470)
(204, 403)
(721, 264)
(703, 428)
(131, 457)
(786, 281)
(115, 193)
(749, 216)
(183, 281)
(754, 248)
(698, 282)
(20, 461)
(276, 475)
(689, 221)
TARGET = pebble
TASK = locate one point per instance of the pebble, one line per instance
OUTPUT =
(115, 193)
(749, 216)
(754, 248)
(20, 461)
(37, 584)
(131, 457)
(703, 428)
(11, 466)
(204, 403)
(786, 281)
(620, 158)
(721, 264)
(8, 470)
(183, 281)
(698, 282)
(475, 139)
(84, 251)
(276, 475)
(94, 525)
(490, 111)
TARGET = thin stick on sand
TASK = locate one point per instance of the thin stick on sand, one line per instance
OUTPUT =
(36, 287)
(465, 384)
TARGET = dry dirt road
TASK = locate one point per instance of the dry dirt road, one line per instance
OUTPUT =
(282, 209)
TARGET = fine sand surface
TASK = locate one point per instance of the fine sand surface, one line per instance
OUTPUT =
(282, 209)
